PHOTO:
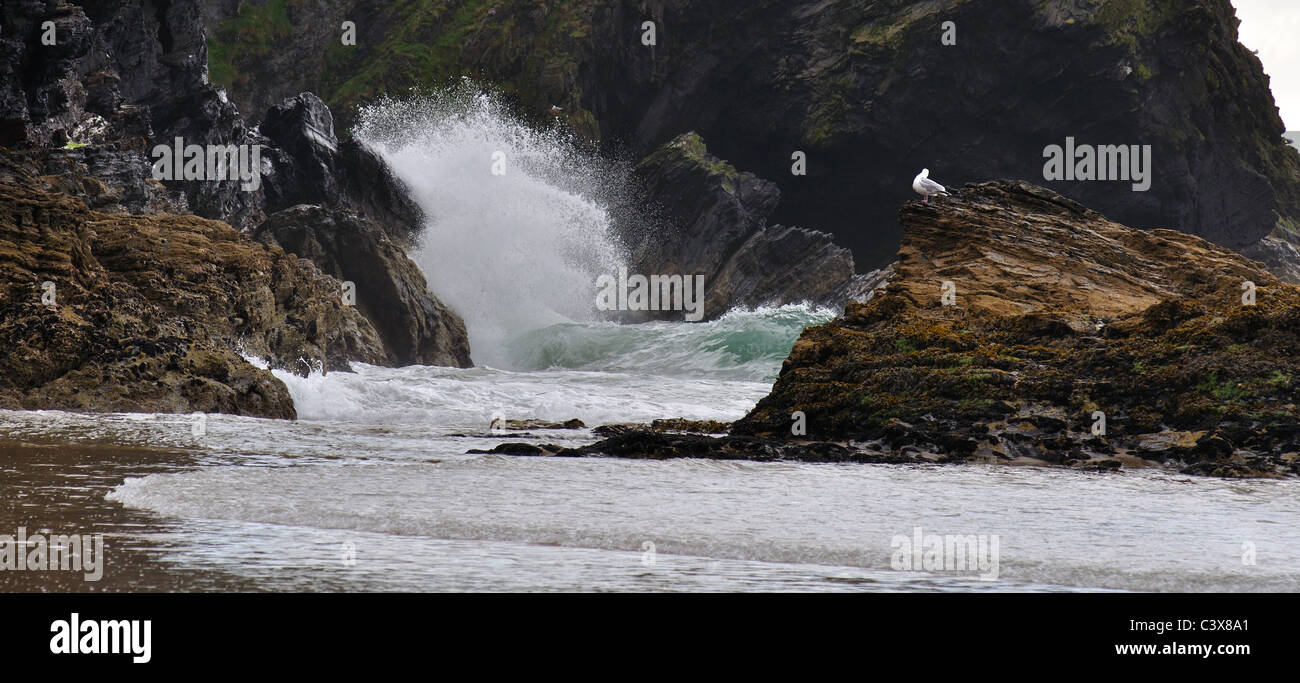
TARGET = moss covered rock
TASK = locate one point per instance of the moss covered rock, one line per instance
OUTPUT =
(113, 312)
(1016, 318)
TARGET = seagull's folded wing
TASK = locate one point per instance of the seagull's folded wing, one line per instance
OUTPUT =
(931, 186)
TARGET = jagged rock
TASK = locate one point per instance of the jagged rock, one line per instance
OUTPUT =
(113, 177)
(1058, 313)
(718, 227)
(55, 100)
(126, 76)
(154, 313)
(311, 166)
(391, 291)
(122, 72)
(130, 70)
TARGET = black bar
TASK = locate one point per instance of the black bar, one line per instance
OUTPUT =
(957, 632)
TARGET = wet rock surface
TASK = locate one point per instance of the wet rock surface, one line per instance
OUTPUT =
(156, 313)
(81, 120)
(1059, 316)
(390, 290)
(1069, 340)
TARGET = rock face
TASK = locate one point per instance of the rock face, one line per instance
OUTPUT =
(1279, 255)
(310, 165)
(390, 289)
(718, 227)
(868, 90)
(135, 74)
(338, 205)
(871, 94)
(1059, 315)
(131, 72)
(152, 313)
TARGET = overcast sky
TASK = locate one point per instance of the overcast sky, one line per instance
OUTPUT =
(1273, 28)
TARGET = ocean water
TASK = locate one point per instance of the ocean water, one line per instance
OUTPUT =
(371, 489)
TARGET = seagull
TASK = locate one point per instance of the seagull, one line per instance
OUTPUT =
(556, 110)
(927, 188)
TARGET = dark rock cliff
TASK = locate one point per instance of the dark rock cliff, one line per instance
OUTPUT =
(866, 89)
(871, 94)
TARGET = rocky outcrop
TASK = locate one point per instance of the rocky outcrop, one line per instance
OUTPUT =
(136, 74)
(390, 290)
(121, 77)
(868, 90)
(310, 165)
(113, 312)
(338, 205)
(716, 225)
(122, 72)
(1057, 319)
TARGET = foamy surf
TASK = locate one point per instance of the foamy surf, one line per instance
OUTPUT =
(519, 223)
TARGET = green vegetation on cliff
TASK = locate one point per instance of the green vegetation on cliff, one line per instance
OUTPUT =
(526, 49)
(247, 38)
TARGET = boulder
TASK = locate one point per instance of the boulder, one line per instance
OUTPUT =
(391, 292)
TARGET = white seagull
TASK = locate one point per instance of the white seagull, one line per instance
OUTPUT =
(927, 188)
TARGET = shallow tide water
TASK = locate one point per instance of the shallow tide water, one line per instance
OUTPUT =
(371, 490)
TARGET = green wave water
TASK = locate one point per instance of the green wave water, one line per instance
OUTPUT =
(743, 345)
